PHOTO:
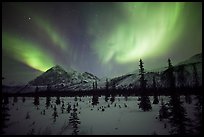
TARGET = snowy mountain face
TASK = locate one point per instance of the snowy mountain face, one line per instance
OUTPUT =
(53, 76)
(57, 76)
(189, 66)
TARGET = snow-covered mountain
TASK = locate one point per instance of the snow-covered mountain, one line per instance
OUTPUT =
(59, 79)
(132, 79)
(57, 75)
(53, 76)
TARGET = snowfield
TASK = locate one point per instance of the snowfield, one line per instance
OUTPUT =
(121, 117)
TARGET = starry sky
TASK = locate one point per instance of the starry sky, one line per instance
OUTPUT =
(105, 39)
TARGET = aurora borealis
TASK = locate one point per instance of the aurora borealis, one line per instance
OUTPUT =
(105, 39)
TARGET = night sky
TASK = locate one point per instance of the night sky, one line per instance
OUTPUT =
(105, 39)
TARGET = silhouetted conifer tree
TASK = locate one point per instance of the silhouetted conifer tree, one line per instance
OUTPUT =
(141, 73)
(154, 85)
(195, 76)
(36, 101)
(106, 98)
(112, 99)
(75, 98)
(169, 76)
(178, 117)
(181, 77)
(4, 114)
(58, 101)
(55, 115)
(156, 100)
(145, 103)
(69, 108)
(47, 101)
(23, 99)
(74, 121)
(163, 112)
(198, 114)
(95, 100)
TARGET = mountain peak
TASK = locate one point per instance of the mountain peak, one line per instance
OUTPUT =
(57, 67)
(57, 75)
(52, 76)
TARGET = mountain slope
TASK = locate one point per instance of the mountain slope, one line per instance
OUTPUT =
(131, 80)
(194, 59)
(53, 76)
(58, 79)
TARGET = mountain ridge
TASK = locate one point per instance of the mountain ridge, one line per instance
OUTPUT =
(61, 80)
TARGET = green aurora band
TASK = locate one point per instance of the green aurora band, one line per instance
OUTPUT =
(26, 52)
(143, 30)
(30, 53)
(148, 30)
(51, 32)
(45, 25)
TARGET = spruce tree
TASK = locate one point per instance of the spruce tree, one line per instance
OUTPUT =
(181, 77)
(4, 114)
(154, 85)
(74, 121)
(58, 101)
(69, 108)
(55, 115)
(95, 100)
(145, 103)
(156, 100)
(168, 76)
(23, 99)
(47, 102)
(178, 117)
(36, 101)
(198, 114)
(141, 73)
(75, 98)
(195, 76)
(112, 99)
(106, 98)
(163, 112)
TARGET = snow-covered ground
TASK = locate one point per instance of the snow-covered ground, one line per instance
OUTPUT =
(123, 116)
